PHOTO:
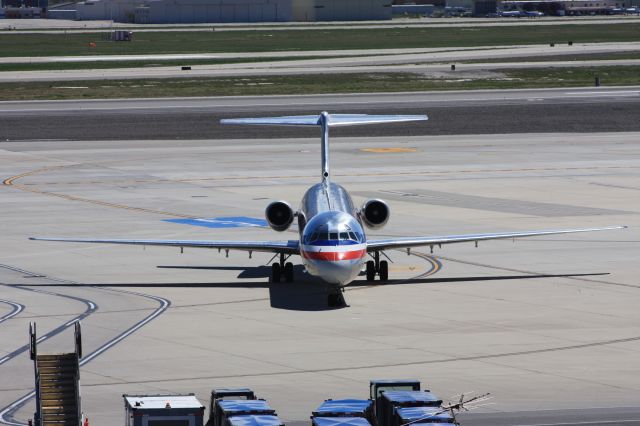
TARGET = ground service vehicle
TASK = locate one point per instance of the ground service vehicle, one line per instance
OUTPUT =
(395, 400)
(376, 387)
(346, 408)
(162, 410)
(227, 393)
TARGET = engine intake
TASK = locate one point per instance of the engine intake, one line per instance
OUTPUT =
(375, 213)
(279, 215)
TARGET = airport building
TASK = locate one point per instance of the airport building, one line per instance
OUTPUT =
(570, 7)
(204, 11)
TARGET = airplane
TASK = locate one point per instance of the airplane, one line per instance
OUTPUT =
(332, 242)
(511, 13)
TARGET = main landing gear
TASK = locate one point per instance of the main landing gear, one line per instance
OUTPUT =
(282, 270)
(377, 266)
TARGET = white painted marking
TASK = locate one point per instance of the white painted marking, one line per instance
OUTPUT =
(164, 304)
(19, 308)
(11, 407)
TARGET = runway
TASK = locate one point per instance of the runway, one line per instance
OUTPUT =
(462, 112)
(534, 321)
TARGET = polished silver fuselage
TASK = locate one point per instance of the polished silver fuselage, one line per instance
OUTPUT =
(332, 240)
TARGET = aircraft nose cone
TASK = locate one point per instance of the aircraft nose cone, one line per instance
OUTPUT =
(341, 272)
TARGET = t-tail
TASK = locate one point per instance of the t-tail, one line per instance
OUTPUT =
(325, 121)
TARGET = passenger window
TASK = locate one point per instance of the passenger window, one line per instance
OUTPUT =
(344, 235)
(333, 235)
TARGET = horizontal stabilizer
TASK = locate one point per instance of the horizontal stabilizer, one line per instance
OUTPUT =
(333, 120)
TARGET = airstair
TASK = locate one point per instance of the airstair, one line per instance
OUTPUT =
(57, 384)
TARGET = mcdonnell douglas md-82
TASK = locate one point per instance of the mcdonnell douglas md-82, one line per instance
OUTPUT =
(332, 242)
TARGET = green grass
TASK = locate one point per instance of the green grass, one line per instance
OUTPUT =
(61, 66)
(343, 83)
(302, 40)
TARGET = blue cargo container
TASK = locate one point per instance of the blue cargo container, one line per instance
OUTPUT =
(339, 421)
(227, 408)
(254, 421)
(345, 408)
(422, 415)
(392, 400)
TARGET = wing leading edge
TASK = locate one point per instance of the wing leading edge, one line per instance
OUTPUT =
(408, 242)
(286, 247)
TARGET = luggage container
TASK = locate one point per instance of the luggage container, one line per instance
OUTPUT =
(162, 410)
(345, 408)
(254, 421)
(393, 400)
(376, 387)
(227, 408)
(339, 421)
(422, 416)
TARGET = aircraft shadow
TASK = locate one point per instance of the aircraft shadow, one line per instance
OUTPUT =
(306, 293)
(361, 283)
(246, 272)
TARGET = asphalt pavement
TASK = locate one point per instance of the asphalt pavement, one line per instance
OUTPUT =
(463, 112)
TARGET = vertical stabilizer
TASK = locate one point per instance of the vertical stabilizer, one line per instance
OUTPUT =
(323, 120)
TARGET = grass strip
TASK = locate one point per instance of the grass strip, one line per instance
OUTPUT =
(303, 40)
(91, 65)
(313, 84)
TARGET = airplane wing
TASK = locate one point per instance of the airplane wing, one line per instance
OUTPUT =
(408, 242)
(287, 247)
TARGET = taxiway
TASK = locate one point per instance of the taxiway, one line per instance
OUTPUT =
(517, 319)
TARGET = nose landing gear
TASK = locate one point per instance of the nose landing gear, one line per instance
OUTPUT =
(335, 298)
(377, 266)
(281, 270)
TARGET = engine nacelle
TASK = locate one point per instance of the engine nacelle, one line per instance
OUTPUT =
(375, 213)
(279, 215)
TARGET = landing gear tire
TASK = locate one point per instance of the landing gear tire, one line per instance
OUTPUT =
(371, 270)
(288, 272)
(276, 273)
(384, 270)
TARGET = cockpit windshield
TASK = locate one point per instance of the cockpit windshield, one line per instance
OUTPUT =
(336, 236)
